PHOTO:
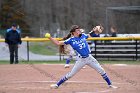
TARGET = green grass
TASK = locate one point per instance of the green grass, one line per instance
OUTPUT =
(72, 62)
(37, 62)
(44, 48)
(4, 62)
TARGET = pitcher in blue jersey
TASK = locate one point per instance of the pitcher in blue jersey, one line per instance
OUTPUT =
(79, 44)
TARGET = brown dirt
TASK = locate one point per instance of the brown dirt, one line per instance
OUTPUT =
(37, 79)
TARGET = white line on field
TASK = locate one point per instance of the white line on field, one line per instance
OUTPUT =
(120, 65)
(73, 64)
(104, 91)
(52, 64)
(86, 82)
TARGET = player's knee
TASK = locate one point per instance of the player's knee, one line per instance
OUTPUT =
(103, 72)
(68, 76)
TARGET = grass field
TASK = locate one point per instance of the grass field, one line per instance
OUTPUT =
(44, 48)
(72, 62)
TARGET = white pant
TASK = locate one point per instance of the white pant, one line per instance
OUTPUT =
(81, 62)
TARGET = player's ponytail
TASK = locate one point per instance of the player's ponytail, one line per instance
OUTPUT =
(67, 37)
(61, 47)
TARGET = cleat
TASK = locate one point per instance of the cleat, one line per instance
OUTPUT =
(111, 86)
(84, 67)
(67, 66)
(54, 86)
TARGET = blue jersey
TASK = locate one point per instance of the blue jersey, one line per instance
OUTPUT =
(79, 44)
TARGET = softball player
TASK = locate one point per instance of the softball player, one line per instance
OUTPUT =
(79, 44)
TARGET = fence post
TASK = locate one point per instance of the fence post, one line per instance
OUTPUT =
(136, 50)
(59, 56)
(95, 47)
(27, 50)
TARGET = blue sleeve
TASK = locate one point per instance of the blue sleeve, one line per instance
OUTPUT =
(86, 36)
(68, 41)
(94, 35)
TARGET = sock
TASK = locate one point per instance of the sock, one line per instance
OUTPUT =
(62, 80)
(68, 60)
(106, 78)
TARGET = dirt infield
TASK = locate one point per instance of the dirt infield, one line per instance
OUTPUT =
(38, 77)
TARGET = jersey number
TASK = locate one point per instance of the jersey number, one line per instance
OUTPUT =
(82, 45)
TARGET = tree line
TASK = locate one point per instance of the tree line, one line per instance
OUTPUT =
(50, 15)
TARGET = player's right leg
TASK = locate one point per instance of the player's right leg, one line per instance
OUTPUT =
(77, 66)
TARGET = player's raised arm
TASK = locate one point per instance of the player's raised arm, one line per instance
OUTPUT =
(96, 31)
(55, 41)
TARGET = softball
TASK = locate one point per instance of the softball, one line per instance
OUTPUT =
(47, 35)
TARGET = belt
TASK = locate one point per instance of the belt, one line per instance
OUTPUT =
(83, 56)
